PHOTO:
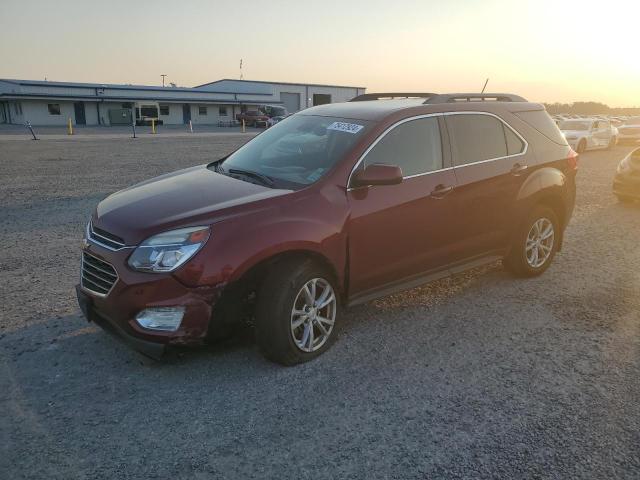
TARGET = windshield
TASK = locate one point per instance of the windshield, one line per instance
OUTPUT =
(632, 121)
(575, 125)
(297, 151)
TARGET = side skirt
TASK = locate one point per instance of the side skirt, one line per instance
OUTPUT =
(422, 279)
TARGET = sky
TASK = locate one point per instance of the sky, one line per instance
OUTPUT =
(544, 50)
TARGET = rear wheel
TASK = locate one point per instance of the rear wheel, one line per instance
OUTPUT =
(582, 146)
(535, 245)
(296, 312)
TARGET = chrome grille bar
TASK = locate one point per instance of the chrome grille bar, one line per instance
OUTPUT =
(97, 276)
(104, 239)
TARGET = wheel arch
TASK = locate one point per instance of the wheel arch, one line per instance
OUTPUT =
(235, 298)
(546, 186)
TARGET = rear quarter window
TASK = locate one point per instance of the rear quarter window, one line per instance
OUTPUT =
(543, 123)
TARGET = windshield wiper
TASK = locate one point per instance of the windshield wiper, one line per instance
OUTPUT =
(264, 179)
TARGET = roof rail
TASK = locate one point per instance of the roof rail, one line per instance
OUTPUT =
(379, 96)
(474, 97)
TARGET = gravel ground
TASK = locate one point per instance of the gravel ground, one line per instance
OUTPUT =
(479, 376)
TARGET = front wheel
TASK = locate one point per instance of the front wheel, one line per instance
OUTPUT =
(535, 245)
(296, 313)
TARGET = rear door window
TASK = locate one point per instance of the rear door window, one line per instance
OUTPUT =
(477, 137)
(414, 146)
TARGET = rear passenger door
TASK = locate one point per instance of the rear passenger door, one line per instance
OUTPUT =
(490, 165)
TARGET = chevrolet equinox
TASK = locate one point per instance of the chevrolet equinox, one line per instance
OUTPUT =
(334, 206)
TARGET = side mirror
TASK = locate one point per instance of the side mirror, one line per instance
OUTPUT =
(377, 174)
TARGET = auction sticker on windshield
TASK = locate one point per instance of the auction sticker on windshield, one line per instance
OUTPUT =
(345, 127)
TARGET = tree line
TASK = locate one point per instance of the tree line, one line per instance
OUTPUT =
(589, 108)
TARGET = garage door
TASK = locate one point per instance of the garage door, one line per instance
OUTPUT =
(291, 101)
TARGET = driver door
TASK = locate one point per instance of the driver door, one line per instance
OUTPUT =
(399, 233)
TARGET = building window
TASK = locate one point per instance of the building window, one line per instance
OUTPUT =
(54, 108)
(164, 109)
(321, 99)
(222, 111)
(202, 110)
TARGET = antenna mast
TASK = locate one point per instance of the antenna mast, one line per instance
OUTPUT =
(485, 86)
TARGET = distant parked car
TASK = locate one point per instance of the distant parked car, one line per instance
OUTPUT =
(630, 130)
(253, 118)
(587, 134)
(626, 183)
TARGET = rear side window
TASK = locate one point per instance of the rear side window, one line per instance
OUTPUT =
(514, 144)
(475, 138)
(414, 146)
(542, 122)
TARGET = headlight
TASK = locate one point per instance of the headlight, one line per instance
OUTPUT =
(623, 166)
(166, 251)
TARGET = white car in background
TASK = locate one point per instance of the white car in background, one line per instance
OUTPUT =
(588, 133)
(629, 131)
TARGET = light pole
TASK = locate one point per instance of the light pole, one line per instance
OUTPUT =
(163, 75)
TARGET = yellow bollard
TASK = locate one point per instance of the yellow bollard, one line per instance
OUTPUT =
(243, 129)
(153, 126)
(70, 127)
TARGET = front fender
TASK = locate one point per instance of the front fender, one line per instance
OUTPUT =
(314, 224)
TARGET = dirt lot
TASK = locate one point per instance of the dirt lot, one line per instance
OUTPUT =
(480, 376)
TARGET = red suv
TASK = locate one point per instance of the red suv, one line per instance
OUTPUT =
(332, 207)
(253, 118)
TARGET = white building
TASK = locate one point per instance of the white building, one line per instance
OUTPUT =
(54, 103)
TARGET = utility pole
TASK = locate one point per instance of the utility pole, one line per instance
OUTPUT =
(163, 75)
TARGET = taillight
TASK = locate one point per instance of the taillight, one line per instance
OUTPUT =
(572, 159)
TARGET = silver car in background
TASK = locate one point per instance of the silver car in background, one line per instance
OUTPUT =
(589, 133)
(629, 131)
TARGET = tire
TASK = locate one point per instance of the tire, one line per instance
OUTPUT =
(520, 261)
(281, 294)
(582, 146)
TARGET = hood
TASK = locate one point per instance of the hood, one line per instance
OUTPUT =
(195, 194)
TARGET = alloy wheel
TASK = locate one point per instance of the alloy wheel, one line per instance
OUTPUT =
(313, 315)
(539, 244)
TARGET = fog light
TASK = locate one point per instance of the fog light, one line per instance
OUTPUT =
(166, 319)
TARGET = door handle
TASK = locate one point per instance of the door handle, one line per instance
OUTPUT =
(518, 169)
(441, 191)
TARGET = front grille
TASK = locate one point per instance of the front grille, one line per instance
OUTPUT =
(106, 239)
(98, 276)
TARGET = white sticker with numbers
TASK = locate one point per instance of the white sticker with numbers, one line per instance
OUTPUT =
(345, 127)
